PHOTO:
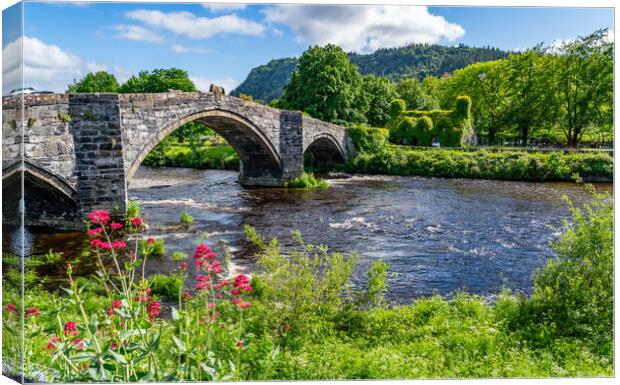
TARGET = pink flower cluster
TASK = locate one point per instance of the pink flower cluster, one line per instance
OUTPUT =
(115, 245)
(31, 311)
(71, 328)
(99, 217)
(154, 308)
(117, 303)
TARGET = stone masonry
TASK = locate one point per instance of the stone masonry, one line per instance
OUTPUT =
(86, 148)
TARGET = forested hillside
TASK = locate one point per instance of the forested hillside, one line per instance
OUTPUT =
(266, 82)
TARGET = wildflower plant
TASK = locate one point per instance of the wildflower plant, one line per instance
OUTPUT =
(121, 339)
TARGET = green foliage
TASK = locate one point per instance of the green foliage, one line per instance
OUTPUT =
(582, 75)
(179, 256)
(573, 294)
(186, 219)
(158, 80)
(309, 285)
(380, 93)
(305, 322)
(207, 155)
(368, 139)
(167, 285)
(133, 209)
(326, 86)
(481, 164)
(306, 181)
(266, 82)
(487, 85)
(419, 128)
(418, 61)
(154, 248)
(100, 81)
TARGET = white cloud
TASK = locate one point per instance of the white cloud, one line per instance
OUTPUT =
(364, 28)
(96, 67)
(189, 25)
(178, 48)
(46, 66)
(135, 32)
(203, 83)
(121, 74)
(223, 7)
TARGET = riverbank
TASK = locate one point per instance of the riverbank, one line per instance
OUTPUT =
(299, 319)
(377, 156)
(481, 164)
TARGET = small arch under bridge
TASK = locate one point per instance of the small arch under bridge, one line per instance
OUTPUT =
(86, 148)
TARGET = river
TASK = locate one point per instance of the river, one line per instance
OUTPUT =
(438, 235)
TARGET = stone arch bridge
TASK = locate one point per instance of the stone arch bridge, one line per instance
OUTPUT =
(81, 151)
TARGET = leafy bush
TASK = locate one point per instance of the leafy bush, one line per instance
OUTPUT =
(186, 219)
(483, 164)
(166, 285)
(368, 139)
(306, 181)
(573, 293)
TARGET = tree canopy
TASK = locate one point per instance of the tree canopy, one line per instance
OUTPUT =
(326, 86)
(99, 81)
(158, 80)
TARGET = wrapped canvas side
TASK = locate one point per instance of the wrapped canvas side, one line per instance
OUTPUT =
(13, 231)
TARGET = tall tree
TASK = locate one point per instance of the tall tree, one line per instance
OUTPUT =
(583, 77)
(380, 92)
(421, 95)
(529, 93)
(326, 86)
(486, 83)
(158, 80)
(100, 81)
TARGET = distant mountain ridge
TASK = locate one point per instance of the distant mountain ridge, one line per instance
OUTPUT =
(266, 82)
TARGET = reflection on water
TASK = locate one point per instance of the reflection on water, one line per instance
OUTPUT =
(439, 235)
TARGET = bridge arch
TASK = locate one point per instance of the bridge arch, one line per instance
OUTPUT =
(324, 148)
(49, 198)
(258, 156)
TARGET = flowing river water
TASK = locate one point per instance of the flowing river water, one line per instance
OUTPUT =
(438, 235)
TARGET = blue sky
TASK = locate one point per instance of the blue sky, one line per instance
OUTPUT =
(221, 45)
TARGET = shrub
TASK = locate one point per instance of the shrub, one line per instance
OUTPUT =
(573, 293)
(368, 139)
(166, 285)
(306, 181)
(186, 219)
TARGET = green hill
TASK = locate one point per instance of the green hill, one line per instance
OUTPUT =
(266, 82)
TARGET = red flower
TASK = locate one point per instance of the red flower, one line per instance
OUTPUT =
(99, 244)
(241, 303)
(94, 232)
(221, 284)
(241, 282)
(186, 295)
(115, 305)
(79, 343)
(136, 221)
(119, 244)
(240, 344)
(154, 308)
(51, 344)
(116, 226)
(203, 282)
(204, 251)
(99, 216)
(184, 266)
(11, 307)
(71, 328)
(150, 241)
(32, 310)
